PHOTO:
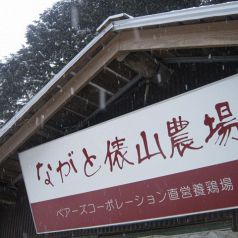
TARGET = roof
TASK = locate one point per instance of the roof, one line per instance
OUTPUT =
(189, 14)
(124, 52)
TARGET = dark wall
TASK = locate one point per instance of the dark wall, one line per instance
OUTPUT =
(15, 220)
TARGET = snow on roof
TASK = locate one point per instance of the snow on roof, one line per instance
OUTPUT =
(113, 18)
(189, 14)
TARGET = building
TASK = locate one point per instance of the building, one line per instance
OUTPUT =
(131, 63)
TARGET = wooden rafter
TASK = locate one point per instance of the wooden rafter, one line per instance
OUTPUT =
(85, 100)
(74, 112)
(101, 88)
(116, 74)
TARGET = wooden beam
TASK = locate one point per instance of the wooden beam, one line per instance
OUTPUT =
(100, 88)
(105, 56)
(116, 74)
(85, 100)
(142, 63)
(74, 112)
(200, 59)
(215, 34)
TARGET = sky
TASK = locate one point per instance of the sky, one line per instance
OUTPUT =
(15, 16)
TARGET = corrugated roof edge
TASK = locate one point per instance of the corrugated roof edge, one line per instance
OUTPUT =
(115, 17)
(202, 12)
(196, 13)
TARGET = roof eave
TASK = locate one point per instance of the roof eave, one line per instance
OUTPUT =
(189, 14)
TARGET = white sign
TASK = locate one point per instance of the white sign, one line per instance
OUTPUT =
(191, 131)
